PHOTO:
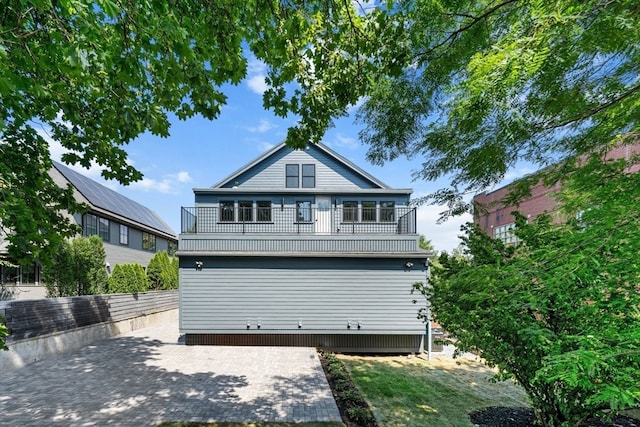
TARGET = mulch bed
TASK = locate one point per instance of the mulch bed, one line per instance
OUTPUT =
(523, 417)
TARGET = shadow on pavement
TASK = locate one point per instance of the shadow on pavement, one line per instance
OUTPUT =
(118, 381)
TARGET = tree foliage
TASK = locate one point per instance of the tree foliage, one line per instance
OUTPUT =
(162, 272)
(560, 312)
(95, 75)
(490, 83)
(128, 278)
(78, 268)
(4, 333)
(424, 243)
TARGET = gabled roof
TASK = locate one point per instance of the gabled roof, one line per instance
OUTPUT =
(357, 170)
(104, 198)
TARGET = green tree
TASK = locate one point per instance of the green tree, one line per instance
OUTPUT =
(78, 268)
(4, 333)
(98, 74)
(490, 83)
(162, 272)
(128, 278)
(425, 243)
(559, 312)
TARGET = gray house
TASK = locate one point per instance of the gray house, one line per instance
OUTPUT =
(131, 232)
(301, 247)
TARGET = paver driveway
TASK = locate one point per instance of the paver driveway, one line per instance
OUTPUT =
(145, 377)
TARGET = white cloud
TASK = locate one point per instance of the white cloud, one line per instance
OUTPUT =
(444, 237)
(262, 127)
(256, 70)
(343, 141)
(169, 184)
(183, 177)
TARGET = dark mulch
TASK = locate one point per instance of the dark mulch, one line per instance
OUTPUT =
(523, 417)
(354, 409)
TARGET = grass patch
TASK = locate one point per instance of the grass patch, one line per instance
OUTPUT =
(261, 424)
(412, 391)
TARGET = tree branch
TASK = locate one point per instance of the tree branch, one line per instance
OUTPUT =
(474, 20)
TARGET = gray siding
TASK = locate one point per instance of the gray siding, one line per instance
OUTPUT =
(321, 294)
(298, 243)
(270, 174)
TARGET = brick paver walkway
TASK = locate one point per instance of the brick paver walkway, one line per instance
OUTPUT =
(146, 377)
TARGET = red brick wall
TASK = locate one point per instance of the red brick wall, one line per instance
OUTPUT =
(493, 214)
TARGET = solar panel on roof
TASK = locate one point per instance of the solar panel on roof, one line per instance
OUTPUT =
(112, 201)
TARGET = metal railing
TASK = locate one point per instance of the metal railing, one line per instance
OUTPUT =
(288, 220)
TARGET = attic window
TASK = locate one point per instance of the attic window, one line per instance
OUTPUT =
(292, 176)
(308, 176)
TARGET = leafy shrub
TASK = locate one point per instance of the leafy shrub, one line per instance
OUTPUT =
(78, 268)
(559, 311)
(4, 332)
(128, 278)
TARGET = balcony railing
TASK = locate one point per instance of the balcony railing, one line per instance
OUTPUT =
(291, 220)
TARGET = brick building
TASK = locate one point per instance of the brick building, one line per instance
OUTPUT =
(496, 219)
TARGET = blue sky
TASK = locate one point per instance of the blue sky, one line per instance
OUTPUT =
(200, 152)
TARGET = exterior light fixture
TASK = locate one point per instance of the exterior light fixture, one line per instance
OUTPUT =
(199, 265)
(348, 324)
(299, 324)
(408, 265)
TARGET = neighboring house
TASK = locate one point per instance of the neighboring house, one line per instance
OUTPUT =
(301, 247)
(131, 232)
(495, 218)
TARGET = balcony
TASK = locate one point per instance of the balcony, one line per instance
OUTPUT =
(299, 220)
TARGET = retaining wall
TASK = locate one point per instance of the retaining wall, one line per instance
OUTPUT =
(43, 328)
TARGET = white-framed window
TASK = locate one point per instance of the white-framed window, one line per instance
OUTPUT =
(226, 211)
(245, 211)
(303, 211)
(505, 233)
(387, 211)
(350, 211)
(263, 210)
(369, 211)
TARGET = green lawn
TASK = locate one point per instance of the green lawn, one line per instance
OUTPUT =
(191, 424)
(409, 392)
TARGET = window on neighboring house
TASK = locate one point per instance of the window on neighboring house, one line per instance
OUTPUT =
(103, 229)
(172, 247)
(148, 241)
(368, 211)
(350, 211)
(292, 176)
(95, 225)
(303, 211)
(387, 211)
(263, 211)
(245, 213)
(124, 234)
(90, 225)
(505, 233)
(308, 176)
(226, 210)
